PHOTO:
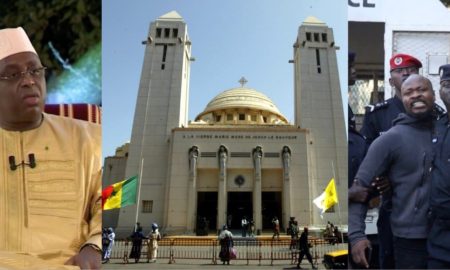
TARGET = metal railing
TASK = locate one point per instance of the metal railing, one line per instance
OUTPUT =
(248, 249)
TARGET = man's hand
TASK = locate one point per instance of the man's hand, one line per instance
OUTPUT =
(358, 193)
(381, 184)
(88, 258)
(359, 253)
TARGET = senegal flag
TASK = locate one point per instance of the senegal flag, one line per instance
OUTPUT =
(120, 194)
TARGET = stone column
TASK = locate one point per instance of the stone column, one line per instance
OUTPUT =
(257, 209)
(286, 156)
(192, 189)
(222, 192)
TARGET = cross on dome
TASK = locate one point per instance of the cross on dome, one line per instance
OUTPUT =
(242, 81)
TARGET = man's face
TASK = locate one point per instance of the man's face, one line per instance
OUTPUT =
(444, 92)
(417, 96)
(399, 75)
(21, 97)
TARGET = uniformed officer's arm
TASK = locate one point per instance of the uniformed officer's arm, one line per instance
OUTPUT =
(368, 129)
(358, 193)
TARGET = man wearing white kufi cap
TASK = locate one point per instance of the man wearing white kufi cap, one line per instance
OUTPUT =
(50, 170)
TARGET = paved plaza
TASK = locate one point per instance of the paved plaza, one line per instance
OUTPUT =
(204, 265)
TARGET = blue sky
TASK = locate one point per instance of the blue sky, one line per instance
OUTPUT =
(230, 39)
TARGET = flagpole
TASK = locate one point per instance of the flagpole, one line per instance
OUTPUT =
(144, 128)
(139, 193)
(338, 204)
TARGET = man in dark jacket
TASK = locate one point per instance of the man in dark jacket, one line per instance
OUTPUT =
(304, 249)
(377, 120)
(439, 237)
(404, 155)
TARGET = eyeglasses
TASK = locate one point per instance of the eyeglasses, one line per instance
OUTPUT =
(37, 73)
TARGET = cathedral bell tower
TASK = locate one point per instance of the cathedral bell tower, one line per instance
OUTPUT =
(318, 108)
(162, 104)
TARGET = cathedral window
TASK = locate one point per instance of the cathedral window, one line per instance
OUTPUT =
(147, 206)
(166, 32)
(316, 37)
(319, 69)
(158, 32)
(265, 119)
(241, 116)
(229, 117)
(253, 117)
(164, 53)
(218, 117)
(324, 37)
(175, 33)
(308, 36)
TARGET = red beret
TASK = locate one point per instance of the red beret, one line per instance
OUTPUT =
(404, 60)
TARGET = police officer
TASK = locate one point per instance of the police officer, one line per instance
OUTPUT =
(378, 118)
(357, 145)
(357, 148)
(439, 237)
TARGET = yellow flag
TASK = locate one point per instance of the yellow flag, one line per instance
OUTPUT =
(328, 198)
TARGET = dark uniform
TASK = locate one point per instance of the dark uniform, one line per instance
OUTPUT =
(357, 148)
(378, 118)
(439, 237)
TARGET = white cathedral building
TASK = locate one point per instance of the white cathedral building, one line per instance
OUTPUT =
(239, 156)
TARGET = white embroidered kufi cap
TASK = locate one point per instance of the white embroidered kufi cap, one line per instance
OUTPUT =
(14, 40)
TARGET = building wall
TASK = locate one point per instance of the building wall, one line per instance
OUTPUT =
(238, 142)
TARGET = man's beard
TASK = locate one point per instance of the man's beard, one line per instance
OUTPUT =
(424, 116)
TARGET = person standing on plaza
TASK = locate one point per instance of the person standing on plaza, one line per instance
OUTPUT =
(226, 245)
(136, 238)
(229, 220)
(251, 228)
(152, 249)
(276, 228)
(111, 236)
(293, 231)
(304, 249)
(244, 225)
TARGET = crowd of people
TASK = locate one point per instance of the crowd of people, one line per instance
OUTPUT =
(404, 142)
(137, 238)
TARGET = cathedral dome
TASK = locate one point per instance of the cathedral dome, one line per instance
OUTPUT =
(247, 105)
